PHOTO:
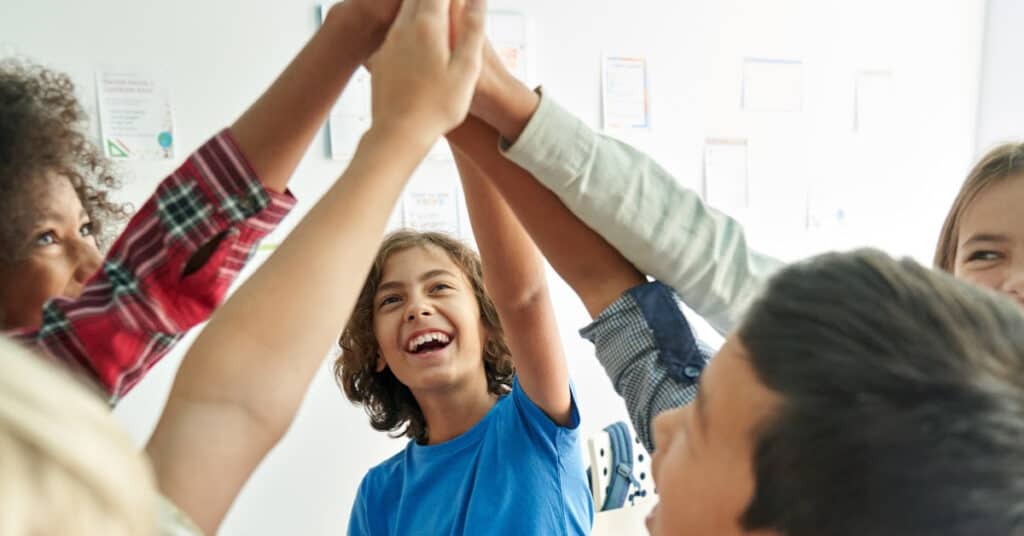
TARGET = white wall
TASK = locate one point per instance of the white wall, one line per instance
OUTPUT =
(218, 56)
(1001, 107)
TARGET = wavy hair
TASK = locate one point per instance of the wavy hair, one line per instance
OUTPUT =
(390, 405)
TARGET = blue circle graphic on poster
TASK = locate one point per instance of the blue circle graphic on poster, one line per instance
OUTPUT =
(165, 139)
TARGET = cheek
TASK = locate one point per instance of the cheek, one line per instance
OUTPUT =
(990, 279)
(25, 292)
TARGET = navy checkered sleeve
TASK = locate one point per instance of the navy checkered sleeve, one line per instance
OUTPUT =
(649, 351)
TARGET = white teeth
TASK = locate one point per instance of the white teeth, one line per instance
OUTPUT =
(427, 337)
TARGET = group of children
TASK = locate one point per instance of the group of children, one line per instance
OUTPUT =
(855, 394)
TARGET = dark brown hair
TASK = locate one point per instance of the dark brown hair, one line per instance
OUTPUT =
(902, 402)
(42, 138)
(1002, 163)
(388, 402)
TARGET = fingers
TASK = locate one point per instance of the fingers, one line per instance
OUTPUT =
(434, 8)
(406, 13)
(469, 39)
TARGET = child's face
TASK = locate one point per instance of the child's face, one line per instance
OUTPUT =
(60, 256)
(990, 247)
(703, 459)
(427, 322)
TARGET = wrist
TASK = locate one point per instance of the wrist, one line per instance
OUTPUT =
(406, 137)
(508, 107)
(359, 31)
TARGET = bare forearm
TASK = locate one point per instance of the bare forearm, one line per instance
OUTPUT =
(251, 366)
(595, 270)
(276, 130)
(513, 267)
(503, 102)
(272, 339)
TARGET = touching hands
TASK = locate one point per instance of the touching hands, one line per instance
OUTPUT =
(425, 73)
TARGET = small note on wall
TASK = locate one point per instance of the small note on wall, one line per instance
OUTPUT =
(624, 94)
(726, 181)
(136, 118)
(875, 103)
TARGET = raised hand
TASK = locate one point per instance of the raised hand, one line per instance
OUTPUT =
(425, 73)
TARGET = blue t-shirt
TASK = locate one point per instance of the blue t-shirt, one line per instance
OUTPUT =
(514, 472)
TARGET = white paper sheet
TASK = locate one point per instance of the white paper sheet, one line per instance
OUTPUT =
(136, 118)
(624, 93)
(726, 180)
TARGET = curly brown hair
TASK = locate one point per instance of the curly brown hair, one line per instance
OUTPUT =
(388, 402)
(42, 136)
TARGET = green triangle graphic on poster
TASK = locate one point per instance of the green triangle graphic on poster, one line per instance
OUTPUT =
(114, 151)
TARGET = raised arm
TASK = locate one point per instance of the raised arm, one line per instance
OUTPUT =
(276, 130)
(183, 248)
(664, 229)
(242, 382)
(514, 276)
(646, 360)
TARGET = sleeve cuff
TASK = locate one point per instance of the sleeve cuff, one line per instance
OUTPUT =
(555, 146)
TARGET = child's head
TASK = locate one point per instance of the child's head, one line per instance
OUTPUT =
(53, 193)
(982, 240)
(423, 324)
(860, 396)
(66, 467)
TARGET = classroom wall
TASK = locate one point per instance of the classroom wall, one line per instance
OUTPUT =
(218, 56)
(1000, 108)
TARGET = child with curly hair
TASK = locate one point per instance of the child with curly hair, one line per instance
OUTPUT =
(461, 354)
(112, 319)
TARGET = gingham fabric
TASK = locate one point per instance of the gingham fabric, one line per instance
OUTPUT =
(140, 303)
(648, 349)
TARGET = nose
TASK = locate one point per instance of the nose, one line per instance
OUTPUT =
(86, 259)
(417, 311)
(1014, 283)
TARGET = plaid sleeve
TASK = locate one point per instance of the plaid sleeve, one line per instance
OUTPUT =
(140, 303)
(648, 349)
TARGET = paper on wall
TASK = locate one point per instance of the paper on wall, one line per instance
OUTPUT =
(726, 178)
(428, 206)
(874, 105)
(624, 93)
(136, 118)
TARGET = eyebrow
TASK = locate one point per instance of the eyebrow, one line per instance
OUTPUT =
(985, 237)
(425, 277)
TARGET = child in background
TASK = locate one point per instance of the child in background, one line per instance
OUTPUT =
(492, 449)
(242, 382)
(111, 320)
(982, 240)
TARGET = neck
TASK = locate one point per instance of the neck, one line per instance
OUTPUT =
(452, 412)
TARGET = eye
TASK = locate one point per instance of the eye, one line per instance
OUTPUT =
(984, 255)
(388, 300)
(87, 229)
(48, 238)
(440, 287)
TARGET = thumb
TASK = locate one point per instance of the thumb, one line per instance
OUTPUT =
(469, 39)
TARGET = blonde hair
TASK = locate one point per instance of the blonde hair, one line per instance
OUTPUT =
(66, 467)
(1004, 162)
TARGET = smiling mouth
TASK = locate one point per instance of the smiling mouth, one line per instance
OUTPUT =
(428, 343)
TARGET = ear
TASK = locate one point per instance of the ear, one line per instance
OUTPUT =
(381, 363)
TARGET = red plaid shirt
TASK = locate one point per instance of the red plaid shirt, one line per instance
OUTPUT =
(139, 304)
